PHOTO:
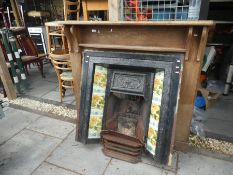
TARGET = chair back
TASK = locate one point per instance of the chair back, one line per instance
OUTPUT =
(27, 45)
(61, 63)
(56, 38)
(69, 8)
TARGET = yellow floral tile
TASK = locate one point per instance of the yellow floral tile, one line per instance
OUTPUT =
(155, 112)
(95, 126)
(97, 102)
(100, 76)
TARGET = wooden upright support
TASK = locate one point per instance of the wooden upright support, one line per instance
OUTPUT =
(114, 10)
(18, 18)
(6, 78)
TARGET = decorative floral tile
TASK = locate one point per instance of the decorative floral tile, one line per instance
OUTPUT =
(97, 102)
(155, 111)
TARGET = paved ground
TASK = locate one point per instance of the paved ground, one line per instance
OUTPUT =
(220, 119)
(37, 145)
(47, 88)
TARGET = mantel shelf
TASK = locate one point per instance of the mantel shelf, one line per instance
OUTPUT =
(136, 48)
(139, 23)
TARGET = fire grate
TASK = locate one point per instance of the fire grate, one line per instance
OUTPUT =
(121, 146)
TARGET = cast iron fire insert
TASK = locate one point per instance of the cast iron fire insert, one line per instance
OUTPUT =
(130, 95)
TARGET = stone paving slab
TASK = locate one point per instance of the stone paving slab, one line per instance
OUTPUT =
(220, 119)
(51, 77)
(25, 152)
(54, 95)
(52, 127)
(40, 88)
(13, 122)
(73, 102)
(49, 169)
(195, 164)
(83, 159)
(165, 172)
(118, 167)
(217, 128)
(171, 168)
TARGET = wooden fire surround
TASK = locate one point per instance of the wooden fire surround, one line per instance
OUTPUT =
(187, 37)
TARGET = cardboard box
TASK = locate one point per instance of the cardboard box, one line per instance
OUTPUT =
(210, 97)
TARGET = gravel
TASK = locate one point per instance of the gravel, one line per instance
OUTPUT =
(45, 107)
(211, 144)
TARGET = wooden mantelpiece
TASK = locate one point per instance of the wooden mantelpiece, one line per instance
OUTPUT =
(187, 37)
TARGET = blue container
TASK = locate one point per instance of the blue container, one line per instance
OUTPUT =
(182, 14)
(200, 102)
(163, 14)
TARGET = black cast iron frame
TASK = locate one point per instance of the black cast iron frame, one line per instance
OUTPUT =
(171, 63)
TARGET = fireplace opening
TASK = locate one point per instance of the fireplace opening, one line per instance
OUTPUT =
(125, 115)
(127, 109)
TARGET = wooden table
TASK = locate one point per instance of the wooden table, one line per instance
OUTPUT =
(93, 5)
(187, 37)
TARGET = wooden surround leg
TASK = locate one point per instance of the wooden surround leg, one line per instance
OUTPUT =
(189, 84)
(76, 64)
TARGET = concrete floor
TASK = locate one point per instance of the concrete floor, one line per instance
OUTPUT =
(37, 145)
(46, 88)
(219, 123)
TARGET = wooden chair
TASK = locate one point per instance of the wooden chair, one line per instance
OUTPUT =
(30, 52)
(31, 55)
(68, 9)
(93, 5)
(42, 15)
(62, 66)
(55, 31)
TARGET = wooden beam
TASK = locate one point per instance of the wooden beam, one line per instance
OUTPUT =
(202, 44)
(114, 10)
(188, 43)
(6, 78)
(18, 18)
